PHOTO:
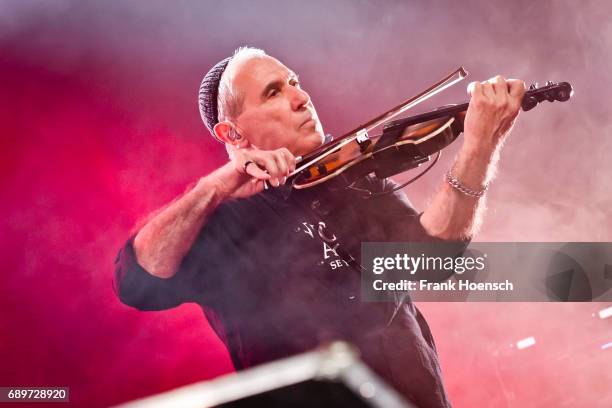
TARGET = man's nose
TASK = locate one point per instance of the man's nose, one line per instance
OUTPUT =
(300, 99)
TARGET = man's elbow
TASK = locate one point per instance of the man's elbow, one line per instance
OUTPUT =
(131, 286)
(138, 297)
(126, 292)
(159, 267)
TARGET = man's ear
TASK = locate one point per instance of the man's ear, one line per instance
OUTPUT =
(226, 132)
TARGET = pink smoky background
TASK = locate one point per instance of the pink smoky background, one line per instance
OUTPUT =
(99, 126)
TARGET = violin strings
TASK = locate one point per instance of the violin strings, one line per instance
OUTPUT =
(370, 194)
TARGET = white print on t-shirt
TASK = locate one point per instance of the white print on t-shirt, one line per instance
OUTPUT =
(329, 245)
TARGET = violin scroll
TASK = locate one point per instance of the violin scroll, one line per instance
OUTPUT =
(549, 92)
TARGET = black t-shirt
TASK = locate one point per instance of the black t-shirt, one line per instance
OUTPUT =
(273, 276)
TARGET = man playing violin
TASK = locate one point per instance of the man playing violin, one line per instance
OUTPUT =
(270, 266)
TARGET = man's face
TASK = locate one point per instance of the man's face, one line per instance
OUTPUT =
(276, 111)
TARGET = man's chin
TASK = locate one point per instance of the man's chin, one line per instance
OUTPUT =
(310, 143)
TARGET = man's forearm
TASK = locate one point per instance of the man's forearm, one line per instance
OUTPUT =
(452, 214)
(163, 242)
(494, 106)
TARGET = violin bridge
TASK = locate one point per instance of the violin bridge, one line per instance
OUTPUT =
(363, 140)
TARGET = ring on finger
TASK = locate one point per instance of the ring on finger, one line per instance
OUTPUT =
(244, 168)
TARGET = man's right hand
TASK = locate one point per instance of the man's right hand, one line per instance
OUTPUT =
(165, 239)
(251, 168)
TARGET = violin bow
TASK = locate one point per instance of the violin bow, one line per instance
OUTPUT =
(361, 132)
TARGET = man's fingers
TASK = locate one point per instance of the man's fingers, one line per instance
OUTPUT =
(480, 90)
(493, 108)
(516, 91)
(259, 185)
(276, 165)
(290, 159)
(252, 169)
(281, 164)
(499, 84)
(501, 91)
(474, 88)
(285, 160)
(273, 166)
(516, 88)
(488, 91)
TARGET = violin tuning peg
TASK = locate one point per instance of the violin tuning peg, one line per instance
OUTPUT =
(533, 86)
(549, 83)
(529, 103)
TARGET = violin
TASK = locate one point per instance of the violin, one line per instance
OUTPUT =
(404, 144)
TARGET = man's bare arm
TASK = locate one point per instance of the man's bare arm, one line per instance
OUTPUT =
(451, 214)
(163, 242)
(493, 109)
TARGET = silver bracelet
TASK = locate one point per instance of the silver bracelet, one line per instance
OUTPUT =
(450, 179)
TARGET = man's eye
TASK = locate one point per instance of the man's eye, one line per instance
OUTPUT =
(273, 92)
(294, 82)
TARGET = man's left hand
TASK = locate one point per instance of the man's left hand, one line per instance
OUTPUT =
(493, 108)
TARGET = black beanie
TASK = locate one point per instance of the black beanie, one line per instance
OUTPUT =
(209, 91)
